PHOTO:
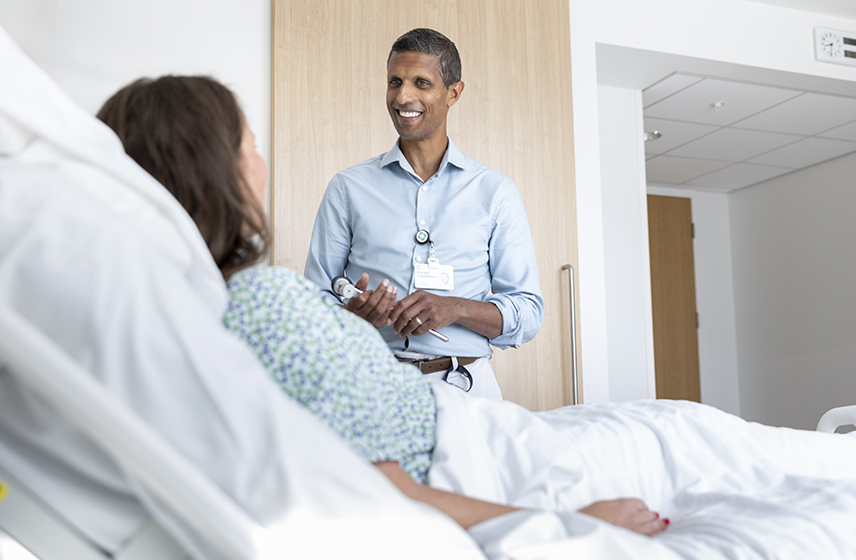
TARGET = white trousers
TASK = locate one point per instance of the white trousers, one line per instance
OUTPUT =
(484, 380)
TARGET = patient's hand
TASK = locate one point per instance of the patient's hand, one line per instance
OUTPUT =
(628, 513)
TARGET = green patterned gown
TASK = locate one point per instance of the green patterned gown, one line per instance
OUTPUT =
(336, 365)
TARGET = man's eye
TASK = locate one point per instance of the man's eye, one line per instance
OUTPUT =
(394, 83)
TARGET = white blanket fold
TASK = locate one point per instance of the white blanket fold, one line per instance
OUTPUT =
(732, 489)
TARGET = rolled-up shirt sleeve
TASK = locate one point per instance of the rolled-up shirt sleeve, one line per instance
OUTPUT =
(330, 244)
(515, 287)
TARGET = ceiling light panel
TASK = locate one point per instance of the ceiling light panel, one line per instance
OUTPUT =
(737, 176)
(667, 87)
(808, 114)
(845, 132)
(729, 144)
(666, 170)
(694, 104)
(806, 152)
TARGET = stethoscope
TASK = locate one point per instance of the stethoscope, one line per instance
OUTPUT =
(342, 286)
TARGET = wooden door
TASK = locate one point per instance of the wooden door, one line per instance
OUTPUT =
(329, 112)
(673, 303)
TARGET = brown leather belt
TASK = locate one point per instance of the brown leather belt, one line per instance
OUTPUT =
(439, 364)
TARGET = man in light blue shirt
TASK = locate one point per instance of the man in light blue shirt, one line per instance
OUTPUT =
(446, 233)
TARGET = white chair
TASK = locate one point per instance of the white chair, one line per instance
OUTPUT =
(49, 371)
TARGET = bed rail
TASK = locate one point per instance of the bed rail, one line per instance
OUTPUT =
(56, 377)
(841, 416)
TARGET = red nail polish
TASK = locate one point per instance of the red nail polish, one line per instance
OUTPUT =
(657, 515)
(666, 520)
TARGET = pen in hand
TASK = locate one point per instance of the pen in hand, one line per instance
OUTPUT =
(343, 287)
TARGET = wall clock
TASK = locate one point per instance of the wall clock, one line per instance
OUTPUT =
(831, 45)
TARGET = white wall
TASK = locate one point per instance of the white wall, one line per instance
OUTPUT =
(625, 245)
(736, 31)
(627, 264)
(91, 48)
(794, 246)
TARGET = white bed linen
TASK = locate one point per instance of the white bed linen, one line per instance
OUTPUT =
(731, 489)
(96, 255)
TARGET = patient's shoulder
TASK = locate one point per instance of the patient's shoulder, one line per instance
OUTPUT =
(270, 278)
(257, 291)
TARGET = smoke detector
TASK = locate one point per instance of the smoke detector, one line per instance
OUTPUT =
(649, 136)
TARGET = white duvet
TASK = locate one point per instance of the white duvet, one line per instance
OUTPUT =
(732, 489)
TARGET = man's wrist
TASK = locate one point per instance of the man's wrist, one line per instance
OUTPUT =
(482, 317)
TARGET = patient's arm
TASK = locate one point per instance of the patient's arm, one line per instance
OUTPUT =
(628, 513)
(466, 511)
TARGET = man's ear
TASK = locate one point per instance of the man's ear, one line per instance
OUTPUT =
(454, 93)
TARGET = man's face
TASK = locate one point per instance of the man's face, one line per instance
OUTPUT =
(416, 98)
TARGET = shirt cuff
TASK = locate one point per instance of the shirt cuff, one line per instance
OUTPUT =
(511, 335)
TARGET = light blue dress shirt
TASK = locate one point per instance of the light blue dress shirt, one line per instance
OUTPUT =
(367, 222)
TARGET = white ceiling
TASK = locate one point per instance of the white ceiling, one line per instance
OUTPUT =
(771, 123)
(837, 8)
(759, 131)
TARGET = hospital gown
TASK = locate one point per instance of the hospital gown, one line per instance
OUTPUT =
(336, 365)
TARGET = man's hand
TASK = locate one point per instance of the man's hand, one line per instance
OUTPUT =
(373, 305)
(436, 312)
(628, 513)
(433, 311)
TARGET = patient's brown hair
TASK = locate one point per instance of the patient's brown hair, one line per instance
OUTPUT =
(186, 132)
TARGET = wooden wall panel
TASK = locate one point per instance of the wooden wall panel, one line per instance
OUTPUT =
(329, 112)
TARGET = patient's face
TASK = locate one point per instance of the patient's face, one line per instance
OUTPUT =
(253, 166)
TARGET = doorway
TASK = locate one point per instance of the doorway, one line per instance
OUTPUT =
(673, 300)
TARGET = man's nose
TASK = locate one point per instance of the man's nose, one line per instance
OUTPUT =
(405, 93)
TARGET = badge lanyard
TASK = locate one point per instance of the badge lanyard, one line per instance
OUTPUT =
(432, 276)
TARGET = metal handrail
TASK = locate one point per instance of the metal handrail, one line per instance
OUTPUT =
(570, 269)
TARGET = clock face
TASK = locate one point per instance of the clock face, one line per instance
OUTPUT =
(831, 44)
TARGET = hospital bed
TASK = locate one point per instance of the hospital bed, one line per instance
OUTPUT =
(35, 526)
(61, 382)
(269, 481)
(52, 374)
(837, 418)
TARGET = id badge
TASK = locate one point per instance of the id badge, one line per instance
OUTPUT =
(438, 277)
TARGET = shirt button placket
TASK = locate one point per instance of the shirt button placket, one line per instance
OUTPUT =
(420, 224)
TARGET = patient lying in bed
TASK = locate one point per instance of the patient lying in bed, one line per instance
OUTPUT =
(96, 255)
(686, 460)
(104, 261)
(330, 361)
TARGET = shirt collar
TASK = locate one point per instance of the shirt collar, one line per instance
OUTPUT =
(452, 155)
